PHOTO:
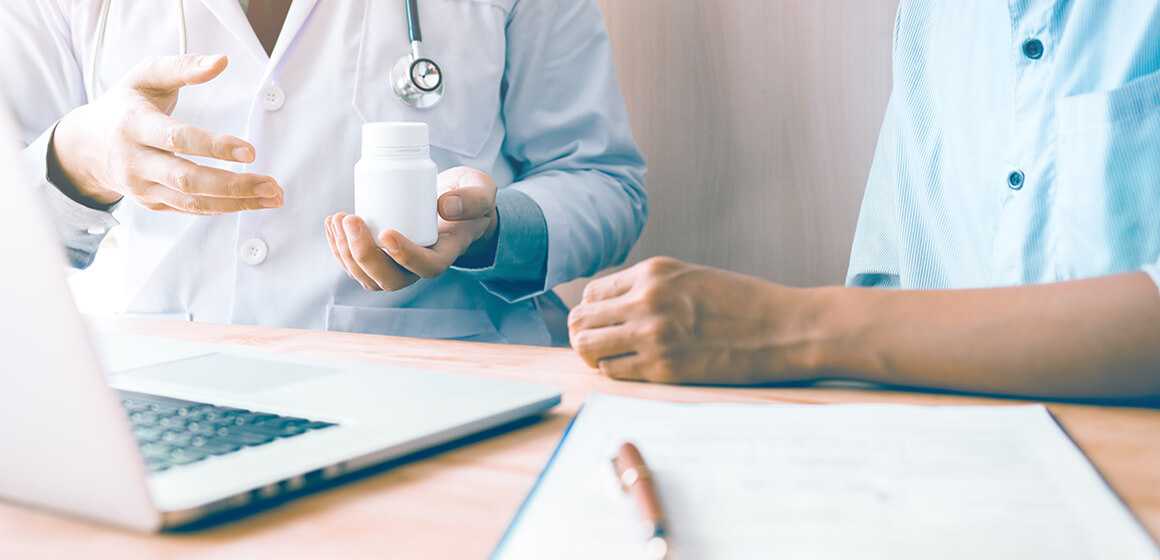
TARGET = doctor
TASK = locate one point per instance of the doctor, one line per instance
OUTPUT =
(231, 171)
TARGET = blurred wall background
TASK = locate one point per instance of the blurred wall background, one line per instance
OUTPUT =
(759, 120)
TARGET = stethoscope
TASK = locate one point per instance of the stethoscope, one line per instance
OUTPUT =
(416, 80)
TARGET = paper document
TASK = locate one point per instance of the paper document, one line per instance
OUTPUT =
(828, 481)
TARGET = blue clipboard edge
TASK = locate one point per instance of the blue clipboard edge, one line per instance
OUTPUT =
(503, 541)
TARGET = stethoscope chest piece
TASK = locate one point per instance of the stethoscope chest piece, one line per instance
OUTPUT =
(417, 81)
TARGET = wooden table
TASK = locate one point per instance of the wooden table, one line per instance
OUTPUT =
(457, 503)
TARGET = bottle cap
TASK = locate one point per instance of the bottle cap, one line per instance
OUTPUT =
(379, 135)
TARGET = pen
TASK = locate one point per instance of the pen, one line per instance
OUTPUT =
(636, 481)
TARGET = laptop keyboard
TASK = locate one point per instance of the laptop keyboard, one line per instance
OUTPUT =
(174, 432)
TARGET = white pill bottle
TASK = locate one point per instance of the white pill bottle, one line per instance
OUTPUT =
(396, 183)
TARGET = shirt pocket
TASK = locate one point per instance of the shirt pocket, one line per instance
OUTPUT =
(466, 38)
(457, 324)
(1107, 197)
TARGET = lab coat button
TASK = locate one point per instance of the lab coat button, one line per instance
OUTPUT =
(253, 251)
(273, 97)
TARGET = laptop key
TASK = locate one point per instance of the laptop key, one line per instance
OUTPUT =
(201, 428)
(216, 415)
(283, 421)
(214, 447)
(163, 408)
(172, 423)
(148, 434)
(185, 456)
(218, 422)
(177, 438)
(275, 430)
(248, 439)
(134, 406)
(252, 418)
(194, 410)
(158, 451)
(143, 418)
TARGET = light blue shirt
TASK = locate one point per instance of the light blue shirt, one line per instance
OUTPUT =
(1021, 144)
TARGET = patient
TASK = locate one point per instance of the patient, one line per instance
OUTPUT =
(1013, 208)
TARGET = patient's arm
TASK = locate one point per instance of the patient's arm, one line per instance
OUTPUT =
(1098, 338)
(668, 321)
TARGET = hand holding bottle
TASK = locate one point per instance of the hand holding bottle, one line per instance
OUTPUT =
(467, 226)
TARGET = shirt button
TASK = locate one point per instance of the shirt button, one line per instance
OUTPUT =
(253, 251)
(273, 97)
(1033, 49)
(1015, 180)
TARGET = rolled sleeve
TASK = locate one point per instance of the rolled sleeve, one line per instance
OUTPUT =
(521, 255)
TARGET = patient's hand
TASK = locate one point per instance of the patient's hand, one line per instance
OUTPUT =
(467, 229)
(671, 322)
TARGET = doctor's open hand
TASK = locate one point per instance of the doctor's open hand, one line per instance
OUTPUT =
(468, 222)
(125, 143)
(671, 322)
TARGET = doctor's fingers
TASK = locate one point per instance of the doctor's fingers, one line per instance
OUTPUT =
(352, 268)
(333, 239)
(156, 196)
(462, 176)
(157, 130)
(328, 227)
(190, 178)
(166, 74)
(467, 203)
(427, 262)
(370, 258)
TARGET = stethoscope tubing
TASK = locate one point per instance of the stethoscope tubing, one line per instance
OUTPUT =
(414, 29)
(92, 85)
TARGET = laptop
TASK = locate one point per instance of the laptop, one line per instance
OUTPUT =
(152, 434)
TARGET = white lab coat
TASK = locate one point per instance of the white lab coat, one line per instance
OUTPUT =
(531, 99)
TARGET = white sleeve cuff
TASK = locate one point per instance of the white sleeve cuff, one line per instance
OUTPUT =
(76, 217)
(81, 228)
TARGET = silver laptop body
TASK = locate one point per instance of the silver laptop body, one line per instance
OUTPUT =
(84, 420)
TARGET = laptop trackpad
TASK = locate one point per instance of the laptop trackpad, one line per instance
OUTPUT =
(229, 374)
